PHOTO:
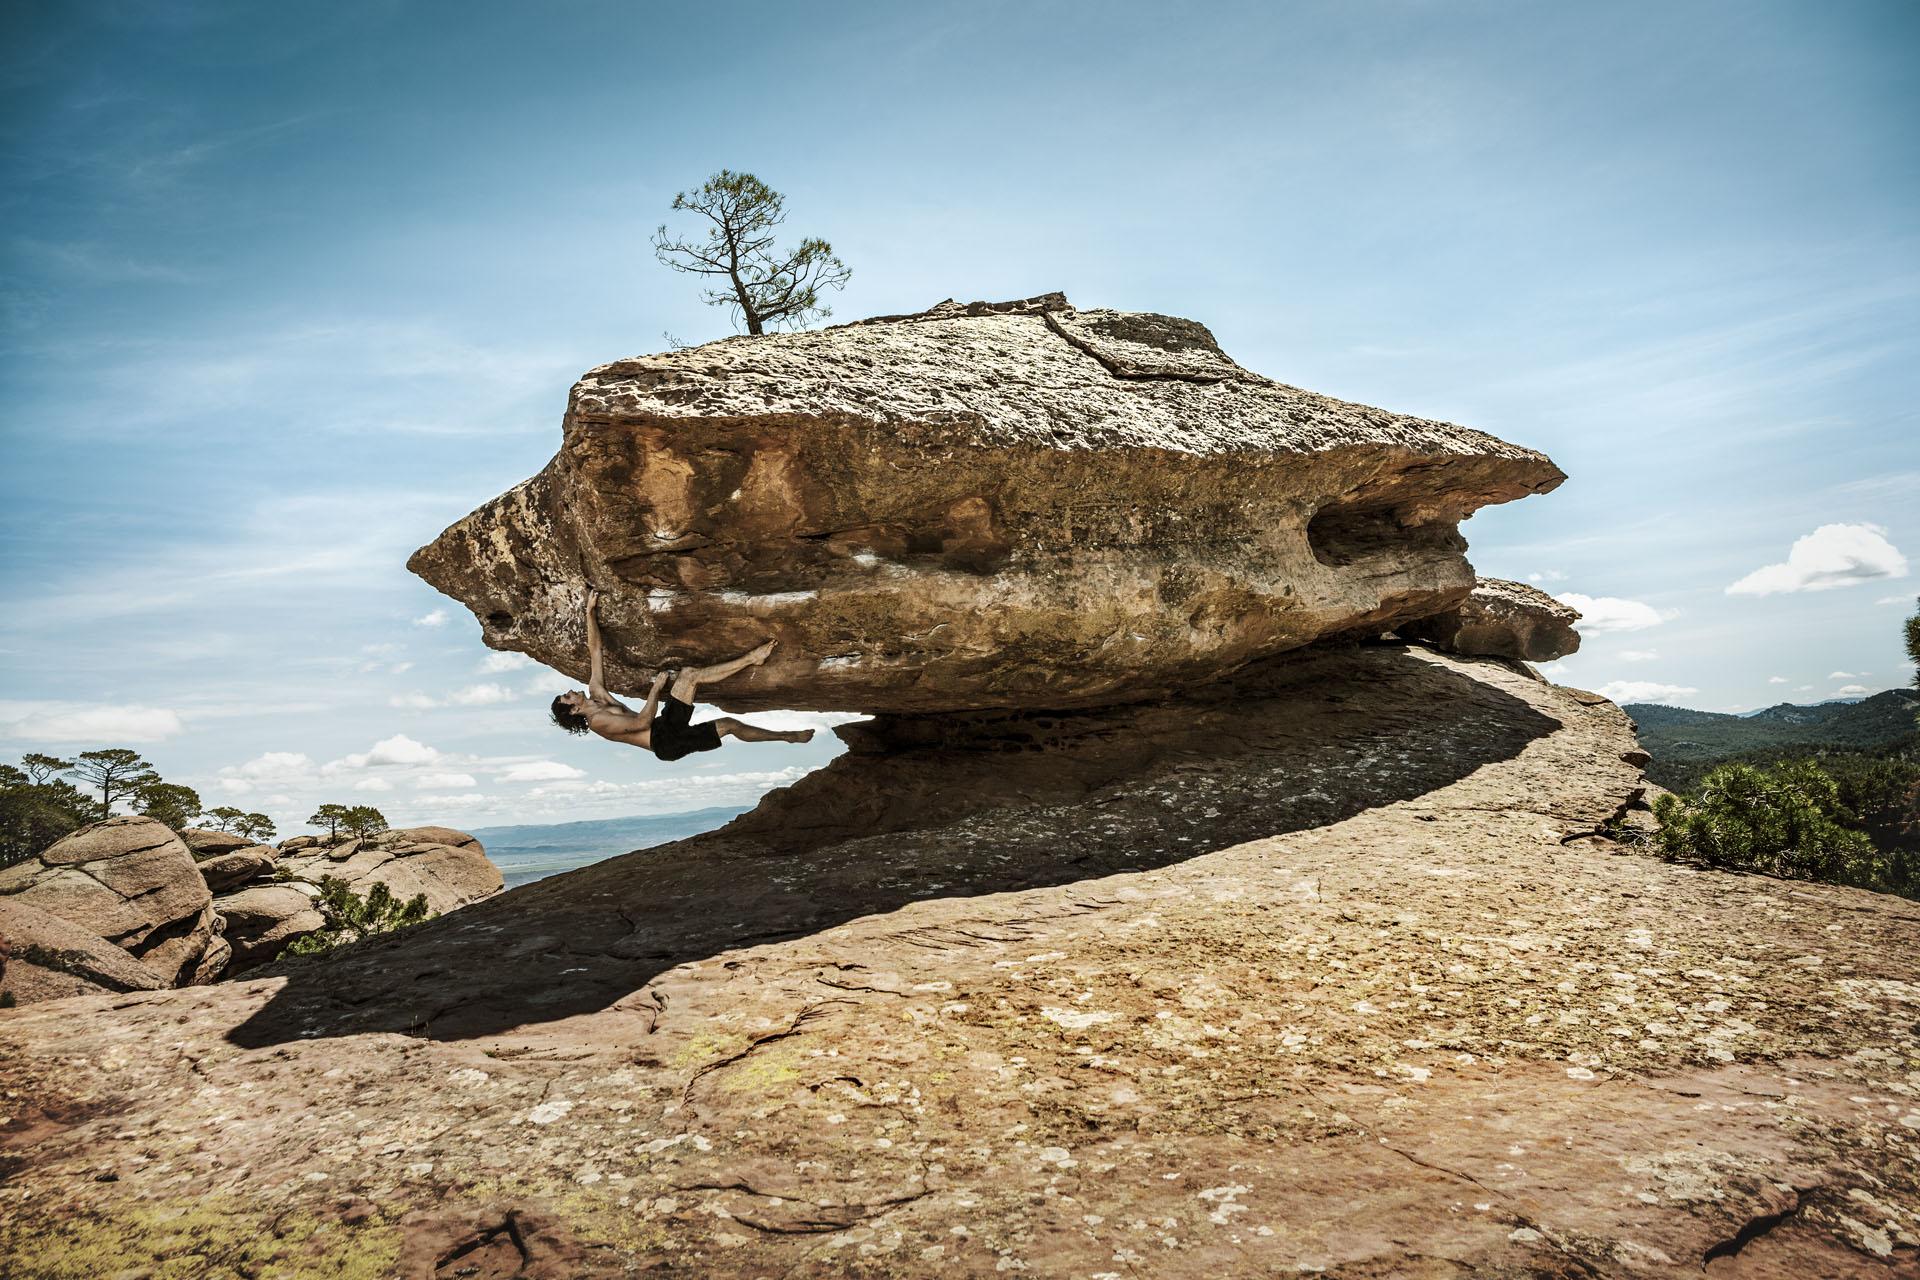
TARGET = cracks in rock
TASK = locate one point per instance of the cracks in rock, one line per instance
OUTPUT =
(509, 1226)
(810, 1012)
(1440, 1168)
(1122, 371)
(1753, 1229)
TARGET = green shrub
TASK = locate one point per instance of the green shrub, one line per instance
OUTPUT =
(1785, 822)
(350, 917)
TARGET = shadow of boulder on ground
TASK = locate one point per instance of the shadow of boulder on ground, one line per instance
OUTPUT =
(947, 808)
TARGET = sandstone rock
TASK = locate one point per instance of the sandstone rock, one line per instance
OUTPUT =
(301, 842)
(450, 867)
(47, 958)
(1311, 976)
(229, 869)
(1502, 619)
(206, 842)
(263, 919)
(129, 880)
(970, 509)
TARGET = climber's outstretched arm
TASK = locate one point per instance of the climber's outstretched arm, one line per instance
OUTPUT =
(596, 678)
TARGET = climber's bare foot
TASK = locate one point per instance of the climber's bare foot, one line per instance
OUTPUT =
(759, 655)
(800, 735)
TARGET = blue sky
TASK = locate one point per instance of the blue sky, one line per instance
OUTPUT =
(288, 288)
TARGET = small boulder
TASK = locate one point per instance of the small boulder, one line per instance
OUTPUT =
(297, 843)
(130, 881)
(228, 870)
(47, 957)
(263, 919)
(206, 842)
(1502, 619)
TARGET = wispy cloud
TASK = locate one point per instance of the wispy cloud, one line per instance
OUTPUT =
(106, 725)
(1643, 691)
(1610, 613)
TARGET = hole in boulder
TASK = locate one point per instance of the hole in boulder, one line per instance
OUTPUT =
(1344, 535)
(500, 620)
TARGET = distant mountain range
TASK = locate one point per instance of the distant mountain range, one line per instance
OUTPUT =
(528, 853)
(1677, 733)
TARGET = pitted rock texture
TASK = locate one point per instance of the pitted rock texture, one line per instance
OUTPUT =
(1334, 979)
(970, 510)
(131, 881)
(1502, 619)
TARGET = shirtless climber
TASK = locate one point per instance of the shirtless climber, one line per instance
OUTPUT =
(667, 734)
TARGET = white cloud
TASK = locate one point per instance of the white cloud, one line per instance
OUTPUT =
(233, 786)
(470, 798)
(399, 749)
(494, 663)
(548, 683)
(373, 784)
(539, 771)
(114, 725)
(1803, 688)
(1845, 675)
(1849, 691)
(671, 795)
(1643, 690)
(415, 701)
(1893, 600)
(1610, 613)
(481, 695)
(1776, 679)
(788, 720)
(437, 618)
(1639, 655)
(273, 764)
(431, 781)
(1834, 555)
(1550, 575)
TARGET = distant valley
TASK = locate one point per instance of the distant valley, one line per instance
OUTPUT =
(534, 852)
(1682, 741)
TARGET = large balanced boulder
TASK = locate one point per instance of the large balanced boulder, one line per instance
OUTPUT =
(1502, 619)
(971, 508)
(46, 958)
(131, 881)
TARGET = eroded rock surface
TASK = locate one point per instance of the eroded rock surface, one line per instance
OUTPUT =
(48, 958)
(1330, 976)
(450, 867)
(264, 915)
(1502, 619)
(969, 509)
(131, 881)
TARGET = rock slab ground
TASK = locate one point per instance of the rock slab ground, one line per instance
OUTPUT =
(1328, 975)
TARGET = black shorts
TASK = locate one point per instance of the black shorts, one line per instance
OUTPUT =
(672, 735)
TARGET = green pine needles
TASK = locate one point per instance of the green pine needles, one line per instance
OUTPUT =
(1784, 822)
(350, 917)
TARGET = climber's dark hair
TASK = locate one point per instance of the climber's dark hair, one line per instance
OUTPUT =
(567, 718)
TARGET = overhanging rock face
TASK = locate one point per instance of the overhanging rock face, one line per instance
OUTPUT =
(986, 506)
